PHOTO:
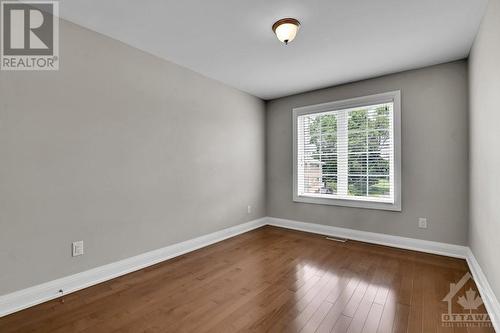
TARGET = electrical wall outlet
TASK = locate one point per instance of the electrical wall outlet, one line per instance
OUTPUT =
(422, 223)
(77, 248)
(249, 209)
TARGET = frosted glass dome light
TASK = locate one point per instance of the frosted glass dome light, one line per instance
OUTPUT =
(286, 29)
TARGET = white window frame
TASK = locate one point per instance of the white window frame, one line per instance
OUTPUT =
(387, 97)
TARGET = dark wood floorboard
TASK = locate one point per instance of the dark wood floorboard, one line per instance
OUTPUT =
(266, 280)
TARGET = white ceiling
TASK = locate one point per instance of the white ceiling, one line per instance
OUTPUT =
(340, 40)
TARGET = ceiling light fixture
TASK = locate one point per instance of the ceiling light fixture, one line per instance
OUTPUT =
(286, 29)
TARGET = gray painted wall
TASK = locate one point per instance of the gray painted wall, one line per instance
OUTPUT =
(484, 72)
(134, 153)
(122, 150)
(434, 156)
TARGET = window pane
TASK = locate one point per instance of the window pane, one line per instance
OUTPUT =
(357, 186)
(322, 131)
(357, 164)
(379, 118)
(329, 164)
(379, 187)
(378, 140)
(329, 185)
(328, 123)
(329, 144)
(329, 133)
(312, 177)
(357, 120)
(378, 164)
(357, 142)
(313, 145)
(346, 152)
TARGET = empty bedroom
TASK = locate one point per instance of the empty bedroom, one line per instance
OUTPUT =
(249, 166)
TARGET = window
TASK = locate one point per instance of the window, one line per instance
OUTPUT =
(347, 152)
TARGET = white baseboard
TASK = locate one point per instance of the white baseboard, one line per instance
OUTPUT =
(487, 294)
(420, 245)
(50, 290)
(450, 250)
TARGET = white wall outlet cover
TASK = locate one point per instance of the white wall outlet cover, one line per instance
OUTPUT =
(77, 248)
(249, 209)
(422, 222)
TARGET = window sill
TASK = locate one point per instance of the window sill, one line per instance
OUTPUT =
(396, 206)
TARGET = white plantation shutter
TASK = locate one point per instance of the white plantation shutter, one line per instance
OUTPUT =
(348, 151)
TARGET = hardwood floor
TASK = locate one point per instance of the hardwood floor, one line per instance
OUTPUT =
(267, 280)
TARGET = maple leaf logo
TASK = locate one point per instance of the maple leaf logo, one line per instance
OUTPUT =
(470, 301)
